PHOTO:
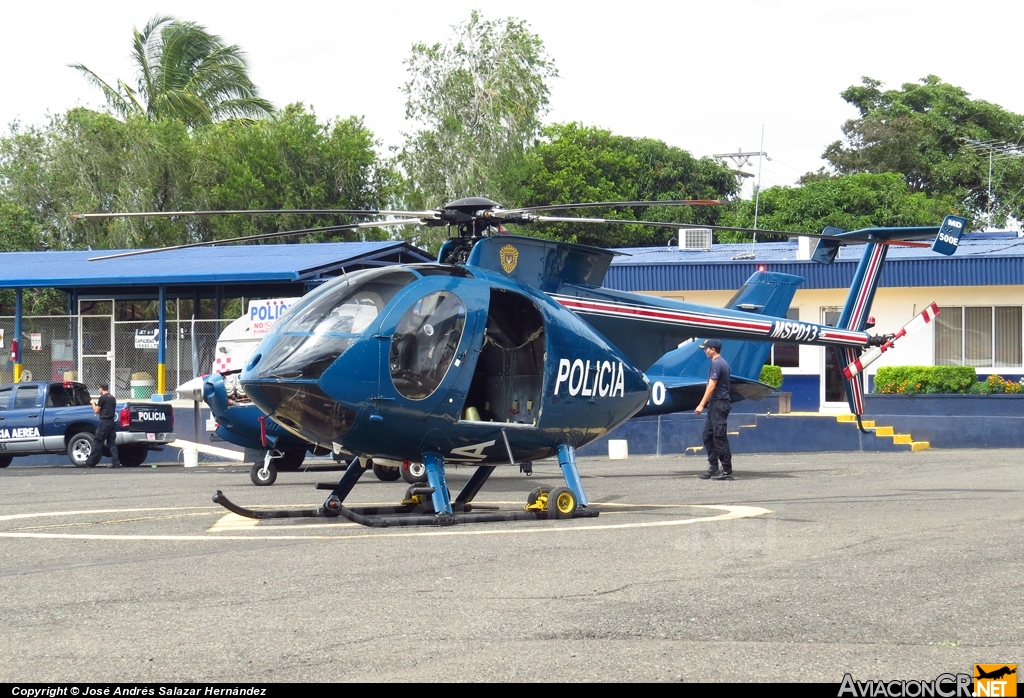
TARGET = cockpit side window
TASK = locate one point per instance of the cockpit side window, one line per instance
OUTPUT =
(425, 342)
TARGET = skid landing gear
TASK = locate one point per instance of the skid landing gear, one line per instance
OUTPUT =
(430, 503)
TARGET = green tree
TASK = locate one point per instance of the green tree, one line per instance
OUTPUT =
(184, 73)
(18, 230)
(577, 164)
(476, 103)
(925, 132)
(849, 202)
(291, 161)
(84, 161)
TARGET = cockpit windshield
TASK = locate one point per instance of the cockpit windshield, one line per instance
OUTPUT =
(325, 323)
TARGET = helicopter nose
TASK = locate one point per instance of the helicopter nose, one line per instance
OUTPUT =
(303, 408)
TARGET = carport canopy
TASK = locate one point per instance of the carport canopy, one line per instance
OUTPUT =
(260, 271)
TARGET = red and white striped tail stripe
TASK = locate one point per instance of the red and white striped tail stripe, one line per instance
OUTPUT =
(699, 321)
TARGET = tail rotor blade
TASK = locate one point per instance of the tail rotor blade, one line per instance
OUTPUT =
(872, 354)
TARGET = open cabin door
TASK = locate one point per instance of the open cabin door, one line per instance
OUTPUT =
(508, 382)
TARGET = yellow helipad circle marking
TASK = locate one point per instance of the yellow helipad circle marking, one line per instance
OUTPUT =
(237, 523)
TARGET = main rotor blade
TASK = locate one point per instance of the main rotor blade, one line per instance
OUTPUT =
(262, 236)
(657, 224)
(619, 204)
(259, 212)
(851, 237)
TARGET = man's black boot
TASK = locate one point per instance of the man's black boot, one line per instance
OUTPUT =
(710, 473)
(724, 475)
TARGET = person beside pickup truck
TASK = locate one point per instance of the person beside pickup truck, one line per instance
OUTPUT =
(104, 407)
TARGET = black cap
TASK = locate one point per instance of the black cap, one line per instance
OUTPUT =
(711, 344)
(103, 385)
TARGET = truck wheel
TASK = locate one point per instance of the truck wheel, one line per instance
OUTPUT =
(291, 460)
(261, 477)
(79, 448)
(386, 473)
(132, 456)
(5, 461)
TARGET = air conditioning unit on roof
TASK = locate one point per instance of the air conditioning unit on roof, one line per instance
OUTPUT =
(695, 238)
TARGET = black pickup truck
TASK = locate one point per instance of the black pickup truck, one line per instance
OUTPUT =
(57, 417)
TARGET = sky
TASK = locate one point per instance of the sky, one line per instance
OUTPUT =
(708, 77)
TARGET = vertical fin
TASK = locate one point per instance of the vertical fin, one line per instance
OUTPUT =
(948, 239)
(855, 315)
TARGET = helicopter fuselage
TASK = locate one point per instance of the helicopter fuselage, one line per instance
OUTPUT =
(466, 363)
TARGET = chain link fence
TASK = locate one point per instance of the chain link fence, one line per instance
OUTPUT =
(71, 347)
(48, 347)
(135, 353)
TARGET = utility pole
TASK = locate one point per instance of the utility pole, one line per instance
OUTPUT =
(741, 159)
(996, 150)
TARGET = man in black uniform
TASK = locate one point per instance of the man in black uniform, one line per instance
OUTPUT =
(716, 399)
(105, 408)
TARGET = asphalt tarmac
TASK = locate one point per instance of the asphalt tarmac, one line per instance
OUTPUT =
(806, 567)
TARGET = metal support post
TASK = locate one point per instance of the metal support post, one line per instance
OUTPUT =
(434, 463)
(16, 342)
(567, 461)
(161, 359)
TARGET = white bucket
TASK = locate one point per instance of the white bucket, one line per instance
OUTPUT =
(618, 449)
(191, 456)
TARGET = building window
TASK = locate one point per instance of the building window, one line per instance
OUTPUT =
(786, 355)
(979, 336)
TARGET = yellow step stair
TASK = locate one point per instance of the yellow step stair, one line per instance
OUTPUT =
(886, 432)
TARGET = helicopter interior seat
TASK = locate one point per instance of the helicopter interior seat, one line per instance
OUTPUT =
(508, 381)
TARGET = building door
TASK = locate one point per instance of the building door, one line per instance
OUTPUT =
(96, 343)
(833, 395)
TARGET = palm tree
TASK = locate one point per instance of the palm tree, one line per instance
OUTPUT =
(184, 73)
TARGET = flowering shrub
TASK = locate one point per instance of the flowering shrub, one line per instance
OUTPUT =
(996, 385)
(914, 380)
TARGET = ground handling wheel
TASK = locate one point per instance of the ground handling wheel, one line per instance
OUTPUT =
(561, 503)
(537, 500)
(263, 475)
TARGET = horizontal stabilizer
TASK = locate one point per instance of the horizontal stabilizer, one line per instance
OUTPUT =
(750, 389)
(825, 250)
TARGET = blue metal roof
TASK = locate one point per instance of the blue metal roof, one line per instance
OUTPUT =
(982, 260)
(227, 264)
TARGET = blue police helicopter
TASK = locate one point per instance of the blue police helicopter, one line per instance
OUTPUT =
(509, 350)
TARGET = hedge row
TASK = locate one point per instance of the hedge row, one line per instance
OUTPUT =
(914, 380)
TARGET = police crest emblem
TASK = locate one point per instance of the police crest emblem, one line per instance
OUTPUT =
(509, 258)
